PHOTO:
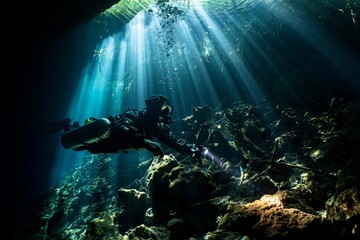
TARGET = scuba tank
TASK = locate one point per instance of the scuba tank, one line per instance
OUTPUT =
(92, 132)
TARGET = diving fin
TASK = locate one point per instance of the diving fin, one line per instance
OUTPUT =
(54, 127)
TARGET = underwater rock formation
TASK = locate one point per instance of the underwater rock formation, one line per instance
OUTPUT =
(283, 215)
(289, 172)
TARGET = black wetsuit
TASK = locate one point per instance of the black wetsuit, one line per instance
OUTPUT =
(134, 130)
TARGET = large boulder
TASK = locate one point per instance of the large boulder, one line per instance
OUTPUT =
(280, 216)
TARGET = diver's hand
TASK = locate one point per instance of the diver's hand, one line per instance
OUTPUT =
(197, 154)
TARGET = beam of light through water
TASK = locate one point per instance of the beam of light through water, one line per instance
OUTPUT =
(224, 42)
(199, 57)
(317, 36)
(190, 60)
(218, 161)
(117, 69)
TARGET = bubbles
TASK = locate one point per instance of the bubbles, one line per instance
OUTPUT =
(221, 5)
(168, 13)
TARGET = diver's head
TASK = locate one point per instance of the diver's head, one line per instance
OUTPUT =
(159, 106)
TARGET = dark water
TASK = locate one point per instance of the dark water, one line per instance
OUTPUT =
(280, 52)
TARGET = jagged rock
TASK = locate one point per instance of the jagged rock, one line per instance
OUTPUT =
(343, 210)
(275, 216)
(191, 186)
(134, 204)
(314, 189)
(202, 114)
(174, 188)
(128, 198)
(331, 154)
(224, 199)
(178, 228)
(181, 197)
(103, 227)
(157, 180)
(264, 186)
(225, 235)
(143, 232)
(55, 220)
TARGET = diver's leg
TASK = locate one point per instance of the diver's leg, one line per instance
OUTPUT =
(64, 124)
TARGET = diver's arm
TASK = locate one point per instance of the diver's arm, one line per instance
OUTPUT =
(179, 145)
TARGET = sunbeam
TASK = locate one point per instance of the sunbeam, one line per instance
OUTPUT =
(184, 119)
(198, 53)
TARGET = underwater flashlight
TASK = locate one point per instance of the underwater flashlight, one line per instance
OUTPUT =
(209, 155)
(219, 161)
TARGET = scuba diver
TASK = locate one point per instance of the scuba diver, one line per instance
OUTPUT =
(132, 130)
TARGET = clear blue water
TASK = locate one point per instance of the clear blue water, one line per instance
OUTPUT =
(205, 53)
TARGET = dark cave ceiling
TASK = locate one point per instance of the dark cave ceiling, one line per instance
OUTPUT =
(42, 20)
